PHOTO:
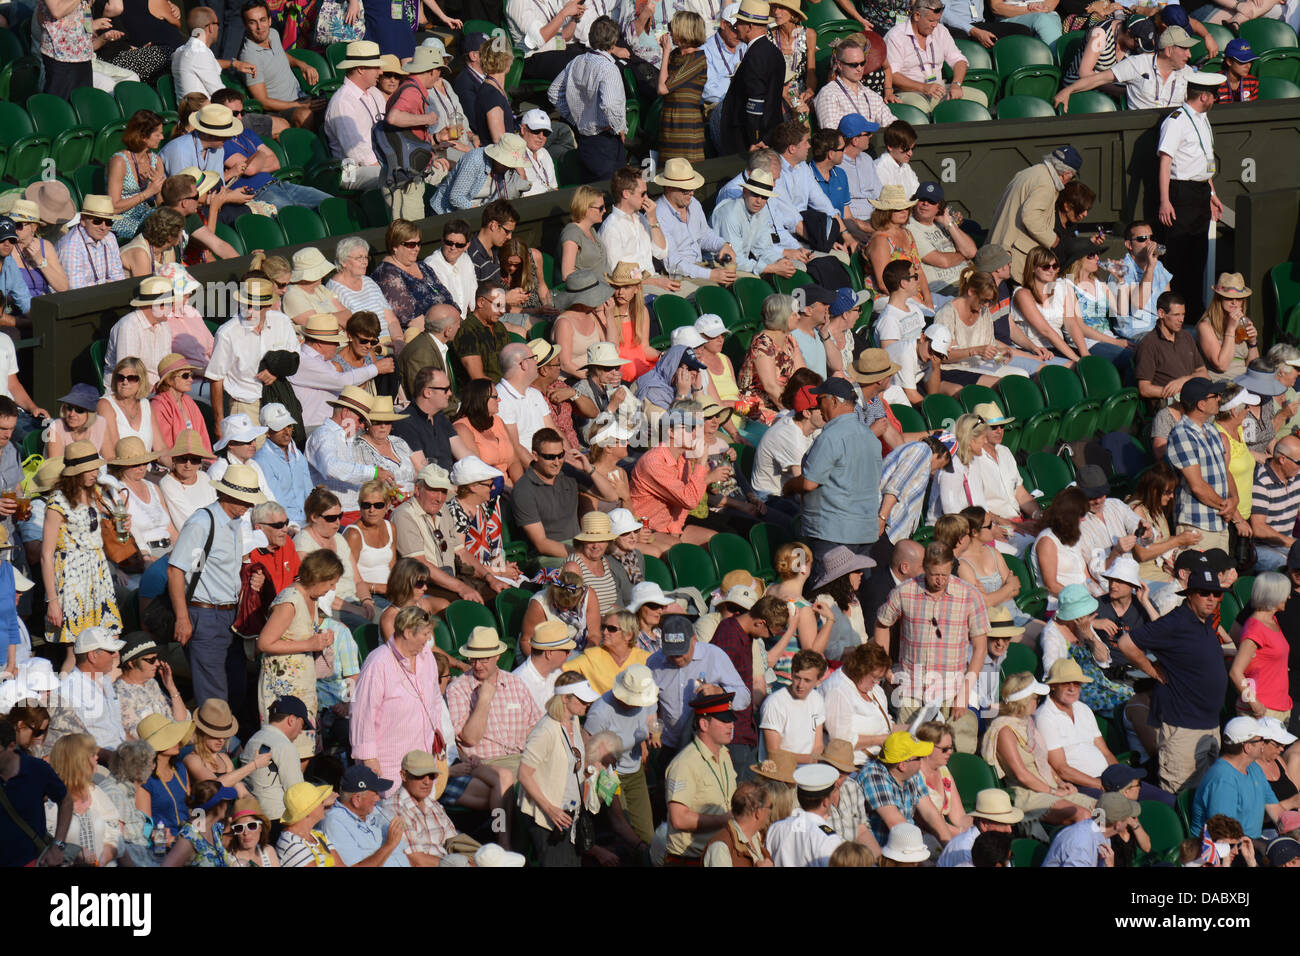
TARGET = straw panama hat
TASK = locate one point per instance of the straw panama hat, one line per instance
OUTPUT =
(354, 399)
(1066, 670)
(310, 264)
(53, 201)
(510, 151)
(204, 179)
(214, 718)
(216, 120)
(678, 173)
(992, 415)
(163, 733)
(553, 636)
(779, 765)
(543, 351)
(794, 6)
(24, 210)
(635, 686)
(324, 328)
(130, 451)
(361, 53)
(595, 527)
(240, 482)
(80, 457)
(873, 365)
(391, 64)
(483, 642)
(893, 198)
(301, 799)
(1232, 285)
(188, 442)
(759, 182)
(154, 290)
(258, 293)
(381, 410)
(754, 11)
(625, 274)
(1001, 623)
(47, 476)
(839, 754)
(995, 804)
(174, 362)
(99, 206)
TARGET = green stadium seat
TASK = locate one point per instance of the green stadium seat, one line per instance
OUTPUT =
(1040, 81)
(133, 96)
(976, 54)
(960, 111)
(94, 107)
(788, 285)
(32, 445)
(90, 179)
(367, 638)
(301, 224)
(1066, 47)
(1020, 659)
(463, 616)
(1229, 608)
(1090, 101)
(303, 147)
(1241, 589)
(568, 170)
(1284, 280)
(1024, 107)
(51, 115)
(1101, 381)
(336, 212)
(765, 539)
(751, 293)
(1022, 400)
(336, 53)
(20, 79)
(1028, 852)
(1273, 88)
(1222, 37)
(731, 552)
(97, 350)
(673, 312)
(326, 82)
(108, 141)
(691, 563)
(1161, 823)
(442, 638)
(972, 395)
(260, 232)
(229, 235)
(1183, 807)
(1012, 53)
(941, 411)
(26, 149)
(909, 114)
(737, 345)
(1280, 64)
(1264, 34)
(167, 90)
(1050, 474)
(374, 210)
(1032, 599)
(11, 47)
(1064, 393)
(823, 13)
(909, 418)
(971, 774)
(719, 301)
(658, 572)
(510, 605)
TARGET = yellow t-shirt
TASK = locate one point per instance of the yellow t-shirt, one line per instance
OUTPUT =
(596, 664)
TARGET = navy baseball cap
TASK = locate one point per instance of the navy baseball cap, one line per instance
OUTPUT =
(816, 294)
(1070, 156)
(692, 361)
(1175, 16)
(1200, 388)
(1240, 51)
(855, 124)
(1118, 776)
(676, 631)
(294, 707)
(472, 41)
(930, 192)
(838, 387)
(8, 229)
(846, 299)
(361, 779)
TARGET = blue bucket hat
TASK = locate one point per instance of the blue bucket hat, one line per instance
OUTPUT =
(1075, 602)
(83, 396)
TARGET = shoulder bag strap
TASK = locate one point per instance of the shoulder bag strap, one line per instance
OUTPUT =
(42, 841)
(207, 549)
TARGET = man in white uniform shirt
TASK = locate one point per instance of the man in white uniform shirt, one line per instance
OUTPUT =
(631, 231)
(805, 838)
(552, 641)
(1186, 180)
(535, 129)
(453, 267)
(353, 111)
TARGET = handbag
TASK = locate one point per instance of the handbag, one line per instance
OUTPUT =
(1242, 553)
(331, 27)
(117, 551)
(252, 613)
(159, 619)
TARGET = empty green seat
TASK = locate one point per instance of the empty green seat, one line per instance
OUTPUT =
(972, 395)
(1024, 107)
(692, 564)
(941, 411)
(301, 224)
(260, 232)
(510, 605)
(463, 616)
(1050, 473)
(1064, 393)
(909, 114)
(1090, 101)
(673, 312)
(94, 107)
(1274, 88)
(338, 217)
(971, 774)
(658, 572)
(731, 552)
(960, 111)
(26, 149)
(1264, 34)
(1283, 64)
(751, 293)
(909, 419)
(133, 96)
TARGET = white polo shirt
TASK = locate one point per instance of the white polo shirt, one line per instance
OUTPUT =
(527, 411)
(1144, 86)
(797, 721)
(1077, 737)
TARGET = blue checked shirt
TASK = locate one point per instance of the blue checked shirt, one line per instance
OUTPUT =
(1192, 444)
(589, 94)
(906, 475)
(881, 790)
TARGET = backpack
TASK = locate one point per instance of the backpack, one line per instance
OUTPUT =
(403, 156)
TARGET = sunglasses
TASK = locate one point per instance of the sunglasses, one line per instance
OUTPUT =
(420, 583)
(610, 628)
(236, 112)
(1051, 267)
(151, 659)
(373, 505)
(852, 64)
(546, 457)
(336, 516)
(1146, 238)
(422, 776)
(543, 133)
(455, 245)
(412, 244)
(185, 375)
(441, 388)
(126, 378)
(276, 524)
(97, 220)
(361, 341)
(189, 460)
(252, 826)
(42, 732)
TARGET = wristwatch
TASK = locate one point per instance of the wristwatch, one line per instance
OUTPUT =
(61, 844)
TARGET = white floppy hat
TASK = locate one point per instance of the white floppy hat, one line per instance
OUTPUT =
(239, 427)
(471, 469)
(648, 592)
(622, 521)
(905, 844)
(635, 686)
(1124, 568)
(604, 355)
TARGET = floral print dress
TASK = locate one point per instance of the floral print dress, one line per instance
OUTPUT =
(81, 574)
(754, 402)
(292, 675)
(206, 853)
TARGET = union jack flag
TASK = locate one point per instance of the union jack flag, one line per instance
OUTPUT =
(483, 534)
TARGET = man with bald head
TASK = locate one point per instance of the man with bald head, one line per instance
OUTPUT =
(904, 563)
(430, 346)
(1275, 503)
(523, 409)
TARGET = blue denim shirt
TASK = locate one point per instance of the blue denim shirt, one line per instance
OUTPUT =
(13, 284)
(845, 462)
(1138, 323)
(289, 479)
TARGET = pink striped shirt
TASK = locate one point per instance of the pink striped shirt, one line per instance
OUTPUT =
(511, 715)
(396, 709)
(905, 55)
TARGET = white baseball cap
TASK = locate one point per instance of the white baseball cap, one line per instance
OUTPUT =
(940, 338)
(740, 596)
(688, 336)
(536, 120)
(730, 11)
(1270, 728)
(275, 416)
(1240, 729)
(710, 326)
(96, 639)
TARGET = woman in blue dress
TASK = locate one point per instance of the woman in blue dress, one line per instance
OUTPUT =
(398, 36)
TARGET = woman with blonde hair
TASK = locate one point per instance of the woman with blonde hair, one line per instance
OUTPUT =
(1226, 337)
(608, 446)
(580, 243)
(78, 587)
(969, 317)
(957, 484)
(77, 421)
(127, 412)
(569, 601)
(1235, 404)
(940, 786)
(371, 539)
(629, 320)
(600, 664)
(207, 757)
(493, 115)
(275, 268)
(682, 75)
(551, 772)
(1045, 311)
(95, 825)
(1018, 755)
(793, 563)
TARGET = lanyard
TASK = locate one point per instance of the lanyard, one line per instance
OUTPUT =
(1192, 119)
(90, 259)
(934, 58)
(444, 103)
(541, 170)
(365, 102)
(852, 99)
(1173, 81)
(721, 784)
(722, 52)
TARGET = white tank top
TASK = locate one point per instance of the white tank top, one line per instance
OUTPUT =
(1070, 566)
(373, 564)
(124, 429)
(1053, 310)
(149, 520)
